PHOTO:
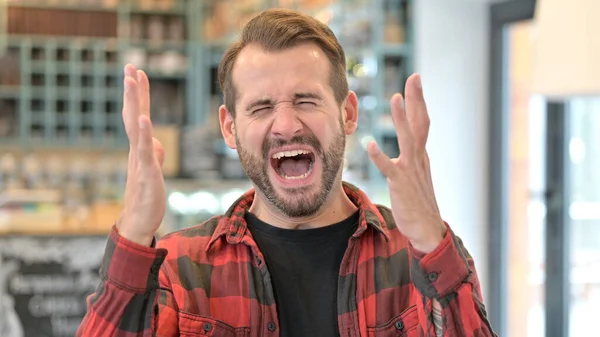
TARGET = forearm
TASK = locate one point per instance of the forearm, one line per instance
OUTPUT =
(126, 301)
(449, 293)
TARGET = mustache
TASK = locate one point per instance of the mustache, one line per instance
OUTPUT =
(310, 140)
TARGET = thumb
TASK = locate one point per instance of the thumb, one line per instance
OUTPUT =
(381, 160)
(145, 150)
(159, 151)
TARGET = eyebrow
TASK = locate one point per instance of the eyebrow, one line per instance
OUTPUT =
(300, 95)
(262, 101)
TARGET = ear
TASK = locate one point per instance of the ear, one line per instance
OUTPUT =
(227, 127)
(350, 113)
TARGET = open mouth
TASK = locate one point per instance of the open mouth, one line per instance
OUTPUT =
(294, 164)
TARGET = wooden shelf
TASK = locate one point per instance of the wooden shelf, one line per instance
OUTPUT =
(55, 231)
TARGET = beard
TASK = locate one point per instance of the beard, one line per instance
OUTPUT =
(302, 201)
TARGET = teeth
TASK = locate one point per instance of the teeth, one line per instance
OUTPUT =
(298, 177)
(301, 176)
(292, 153)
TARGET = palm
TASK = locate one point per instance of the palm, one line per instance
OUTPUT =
(412, 197)
(145, 200)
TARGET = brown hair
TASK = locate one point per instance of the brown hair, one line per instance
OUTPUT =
(279, 29)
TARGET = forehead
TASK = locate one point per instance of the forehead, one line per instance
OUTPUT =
(258, 73)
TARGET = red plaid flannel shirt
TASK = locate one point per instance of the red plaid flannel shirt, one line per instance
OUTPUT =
(211, 280)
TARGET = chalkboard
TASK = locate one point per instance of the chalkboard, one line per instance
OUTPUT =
(44, 281)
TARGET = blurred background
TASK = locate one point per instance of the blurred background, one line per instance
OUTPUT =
(512, 89)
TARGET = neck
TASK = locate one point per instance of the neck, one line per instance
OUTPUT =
(336, 208)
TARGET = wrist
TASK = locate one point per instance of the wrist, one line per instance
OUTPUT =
(429, 243)
(137, 238)
(426, 247)
(127, 230)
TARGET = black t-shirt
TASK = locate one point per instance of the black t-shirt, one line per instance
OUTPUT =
(304, 267)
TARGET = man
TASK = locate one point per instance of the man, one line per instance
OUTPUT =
(302, 254)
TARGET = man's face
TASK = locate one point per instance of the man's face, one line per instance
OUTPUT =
(289, 130)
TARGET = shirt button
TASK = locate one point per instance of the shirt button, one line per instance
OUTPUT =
(433, 276)
(271, 326)
(399, 325)
(207, 327)
(259, 261)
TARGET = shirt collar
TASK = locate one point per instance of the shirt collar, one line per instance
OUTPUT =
(233, 224)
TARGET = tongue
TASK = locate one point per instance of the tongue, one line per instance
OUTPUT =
(294, 167)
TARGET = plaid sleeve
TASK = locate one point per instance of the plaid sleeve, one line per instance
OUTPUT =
(126, 300)
(448, 275)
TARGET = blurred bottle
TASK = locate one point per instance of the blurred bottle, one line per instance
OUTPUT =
(76, 198)
(9, 173)
(394, 27)
(156, 30)
(105, 188)
(32, 173)
(55, 174)
(136, 27)
(176, 29)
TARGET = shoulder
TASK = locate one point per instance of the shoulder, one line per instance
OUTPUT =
(191, 238)
(395, 238)
(386, 214)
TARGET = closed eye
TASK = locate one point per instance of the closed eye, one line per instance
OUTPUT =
(308, 103)
(260, 109)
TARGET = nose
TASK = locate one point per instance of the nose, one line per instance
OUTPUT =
(286, 124)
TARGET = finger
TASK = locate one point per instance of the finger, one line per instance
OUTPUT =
(416, 112)
(145, 148)
(381, 160)
(429, 179)
(159, 151)
(403, 132)
(131, 105)
(144, 92)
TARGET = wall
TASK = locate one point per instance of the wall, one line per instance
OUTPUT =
(452, 57)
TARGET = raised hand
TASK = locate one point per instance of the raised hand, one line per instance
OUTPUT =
(145, 200)
(412, 197)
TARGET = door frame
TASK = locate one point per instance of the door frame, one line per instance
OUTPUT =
(556, 195)
(501, 14)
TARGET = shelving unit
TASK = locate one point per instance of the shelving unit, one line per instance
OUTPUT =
(380, 60)
(61, 84)
(66, 90)
(61, 75)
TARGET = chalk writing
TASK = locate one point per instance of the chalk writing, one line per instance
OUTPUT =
(44, 282)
